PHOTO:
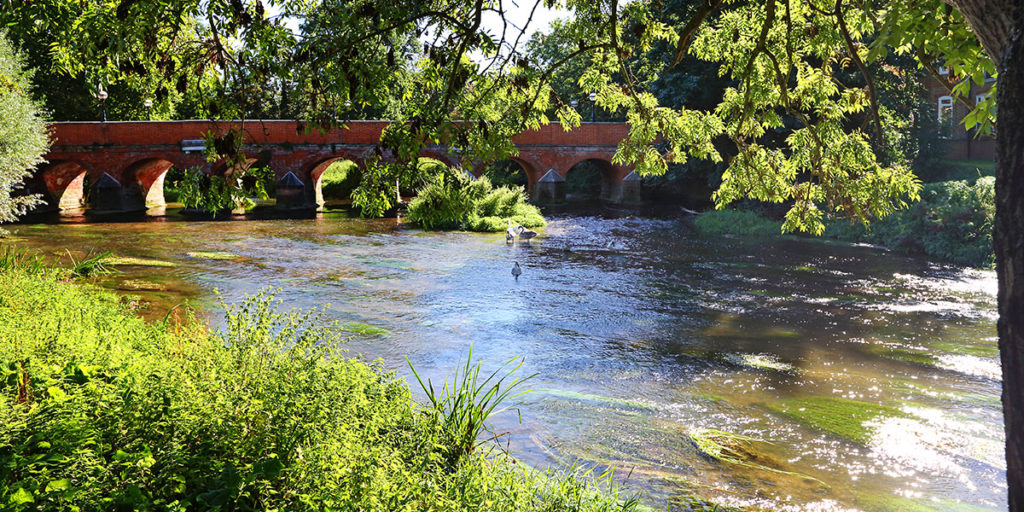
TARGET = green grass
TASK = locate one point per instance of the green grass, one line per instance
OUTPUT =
(101, 410)
(840, 417)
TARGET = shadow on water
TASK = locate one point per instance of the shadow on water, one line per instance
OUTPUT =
(871, 378)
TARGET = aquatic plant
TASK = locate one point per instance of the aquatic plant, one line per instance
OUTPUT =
(589, 397)
(841, 417)
(761, 362)
(101, 410)
(364, 329)
(212, 255)
(736, 449)
(138, 262)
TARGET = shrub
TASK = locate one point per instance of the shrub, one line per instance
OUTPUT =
(457, 201)
(100, 410)
(23, 135)
(952, 222)
(214, 194)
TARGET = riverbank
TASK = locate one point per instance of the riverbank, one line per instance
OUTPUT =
(102, 410)
(952, 223)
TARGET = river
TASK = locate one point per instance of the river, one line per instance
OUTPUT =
(870, 379)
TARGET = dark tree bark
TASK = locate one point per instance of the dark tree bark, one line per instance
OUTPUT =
(1009, 247)
(999, 25)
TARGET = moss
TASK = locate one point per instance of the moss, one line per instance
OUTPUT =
(213, 255)
(840, 417)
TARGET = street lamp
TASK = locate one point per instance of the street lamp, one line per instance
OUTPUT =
(102, 96)
(593, 105)
(149, 108)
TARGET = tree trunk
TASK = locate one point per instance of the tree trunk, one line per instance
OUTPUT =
(1009, 248)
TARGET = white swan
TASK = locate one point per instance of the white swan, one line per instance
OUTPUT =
(510, 233)
(525, 234)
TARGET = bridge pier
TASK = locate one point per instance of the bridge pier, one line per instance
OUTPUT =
(550, 188)
(627, 190)
(291, 193)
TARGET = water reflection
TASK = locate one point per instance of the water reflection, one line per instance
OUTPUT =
(641, 331)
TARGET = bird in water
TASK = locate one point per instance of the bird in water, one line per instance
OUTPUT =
(516, 270)
(525, 234)
(510, 233)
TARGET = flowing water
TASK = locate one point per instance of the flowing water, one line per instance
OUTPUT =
(871, 379)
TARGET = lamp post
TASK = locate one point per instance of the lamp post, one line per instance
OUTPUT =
(102, 96)
(149, 109)
(593, 106)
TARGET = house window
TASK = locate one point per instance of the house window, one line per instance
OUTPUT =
(980, 98)
(945, 117)
(943, 70)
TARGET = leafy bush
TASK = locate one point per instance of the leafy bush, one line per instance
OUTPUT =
(952, 222)
(215, 194)
(23, 136)
(457, 201)
(100, 410)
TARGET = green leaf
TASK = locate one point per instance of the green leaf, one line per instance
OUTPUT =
(21, 497)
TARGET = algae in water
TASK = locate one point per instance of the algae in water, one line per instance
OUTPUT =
(841, 417)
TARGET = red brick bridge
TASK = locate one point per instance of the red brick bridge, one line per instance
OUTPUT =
(126, 161)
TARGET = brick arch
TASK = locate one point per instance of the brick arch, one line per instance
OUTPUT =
(439, 156)
(316, 172)
(611, 174)
(143, 182)
(62, 183)
(221, 167)
(532, 170)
